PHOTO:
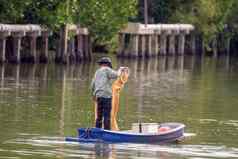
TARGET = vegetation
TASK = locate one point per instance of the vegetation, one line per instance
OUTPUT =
(105, 18)
(211, 17)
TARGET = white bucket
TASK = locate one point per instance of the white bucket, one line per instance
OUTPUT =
(145, 127)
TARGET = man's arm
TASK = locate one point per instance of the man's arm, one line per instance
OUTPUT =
(112, 74)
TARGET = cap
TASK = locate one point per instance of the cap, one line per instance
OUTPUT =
(105, 60)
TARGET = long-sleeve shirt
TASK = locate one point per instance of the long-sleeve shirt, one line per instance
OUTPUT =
(101, 85)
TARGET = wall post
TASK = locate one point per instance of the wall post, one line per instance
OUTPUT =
(44, 53)
(163, 43)
(3, 36)
(16, 57)
(181, 43)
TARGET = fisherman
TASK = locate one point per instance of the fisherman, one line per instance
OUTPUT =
(102, 91)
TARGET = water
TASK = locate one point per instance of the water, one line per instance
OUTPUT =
(41, 104)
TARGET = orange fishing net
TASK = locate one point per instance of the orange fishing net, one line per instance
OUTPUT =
(116, 88)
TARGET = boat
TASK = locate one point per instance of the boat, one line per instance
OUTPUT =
(141, 133)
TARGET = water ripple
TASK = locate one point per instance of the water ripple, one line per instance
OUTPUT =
(57, 146)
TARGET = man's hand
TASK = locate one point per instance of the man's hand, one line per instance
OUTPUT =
(123, 70)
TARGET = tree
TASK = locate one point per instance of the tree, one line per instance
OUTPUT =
(209, 17)
(105, 18)
(12, 11)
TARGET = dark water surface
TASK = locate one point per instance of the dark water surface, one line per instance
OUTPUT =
(41, 104)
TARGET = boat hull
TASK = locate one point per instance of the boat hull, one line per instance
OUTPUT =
(176, 132)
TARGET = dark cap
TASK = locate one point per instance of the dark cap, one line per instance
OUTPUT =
(105, 60)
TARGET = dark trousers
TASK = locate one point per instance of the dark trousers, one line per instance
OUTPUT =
(104, 106)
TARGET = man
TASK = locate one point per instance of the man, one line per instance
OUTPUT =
(102, 91)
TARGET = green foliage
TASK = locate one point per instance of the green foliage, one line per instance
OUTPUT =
(104, 18)
(210, 17)
(12, 10)
(232, 18)
(158, 11)
(52, 13)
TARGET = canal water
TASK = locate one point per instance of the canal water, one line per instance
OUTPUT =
(41, 104)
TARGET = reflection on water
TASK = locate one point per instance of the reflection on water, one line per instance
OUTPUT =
(40, 104)
(56, 147)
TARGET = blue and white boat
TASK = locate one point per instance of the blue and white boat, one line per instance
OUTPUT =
(167, 133)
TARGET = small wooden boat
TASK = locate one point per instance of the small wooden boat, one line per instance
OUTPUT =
(166, 133)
